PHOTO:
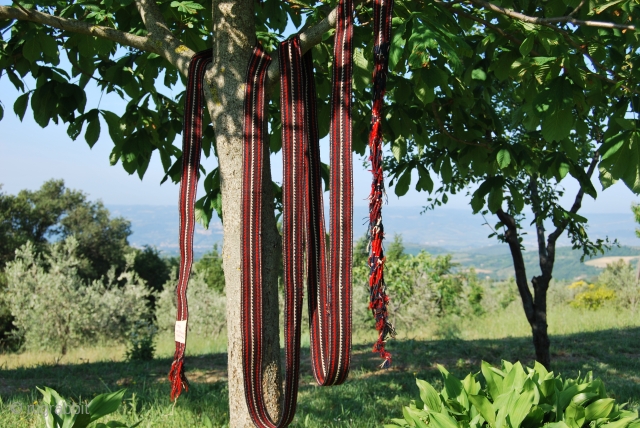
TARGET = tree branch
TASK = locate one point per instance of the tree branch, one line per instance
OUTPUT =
(577, 204)
(511, 236)
(81, 27)
(543, 254)
(159, 41)
(547, 21)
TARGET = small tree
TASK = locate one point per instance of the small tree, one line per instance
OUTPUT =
(54, 308)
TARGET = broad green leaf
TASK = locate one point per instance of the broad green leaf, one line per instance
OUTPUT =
(402, 186)
(494, 381)
(494, 201)
(93, 131)
(522, 405)
(105, 404)
(399, 148)
(416, 416)
(424, 179)
(621, 423)
(574, 415)
(454, 388)
(440, 420)
(557, 124)
(471, 386)
(424, 92)
(527, 45)
(485, 408)
(446, 171)
(504, 158)
(20, 106)
(599, 409)
(31, 49)
(429, 396)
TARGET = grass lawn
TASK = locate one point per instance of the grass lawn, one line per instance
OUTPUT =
(604, 341)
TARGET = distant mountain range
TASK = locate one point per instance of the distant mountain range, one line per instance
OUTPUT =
(440, 231)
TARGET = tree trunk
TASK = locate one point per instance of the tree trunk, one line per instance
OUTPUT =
(539, 325)
(233, 42)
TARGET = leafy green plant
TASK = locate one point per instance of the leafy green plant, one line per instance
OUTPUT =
(591, 296)
(141, 337)
(514, 396)
(61, 413)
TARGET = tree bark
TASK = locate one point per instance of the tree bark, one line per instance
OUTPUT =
(234, 39)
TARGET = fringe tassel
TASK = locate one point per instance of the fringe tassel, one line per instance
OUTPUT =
(177, 377)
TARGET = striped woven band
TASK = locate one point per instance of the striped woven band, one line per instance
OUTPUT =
(191, 145)
(303, 221)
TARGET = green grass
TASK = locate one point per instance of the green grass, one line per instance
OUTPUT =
(605, 341)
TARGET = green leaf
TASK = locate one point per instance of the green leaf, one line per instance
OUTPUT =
(527, 45)
(424, 92)
(93, 130)
(495, 199)
(20, 106)
(31, 50)
(557, 124)
(440, 420)
(206, 422)
(504, 158)
(478, 74)
(424, 179)
(599, 409)
(574, 415)
(105, 404)
(621, 423)
(402, 186)
(516, 198)
(446, 171)
(429, 396)
(399, 148)
(522, 405)
(454, 388)
(485, 408)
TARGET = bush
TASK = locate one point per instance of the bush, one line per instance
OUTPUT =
(591, 296)
(54, 308)
(621, 277)
(141, 337)
(512, 397)
(207, 307)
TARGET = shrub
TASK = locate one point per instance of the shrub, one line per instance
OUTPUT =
(207, 307)
(622, 278)
(54, 308)
(591, 296)
(141, 346)
(513, 396)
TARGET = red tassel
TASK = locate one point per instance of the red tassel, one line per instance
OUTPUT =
(178, 379)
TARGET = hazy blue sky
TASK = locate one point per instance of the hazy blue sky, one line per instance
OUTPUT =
(30, 155)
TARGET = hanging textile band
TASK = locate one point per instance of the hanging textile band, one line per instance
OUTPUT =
(191, 144)
(378, 299)
(303, 222)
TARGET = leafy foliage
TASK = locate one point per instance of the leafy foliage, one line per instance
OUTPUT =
(55, 212)
(423, 286)
(591, 296)
(54, 308)
(210, 265)
(207, 307)
(62, 413)
(513, 396)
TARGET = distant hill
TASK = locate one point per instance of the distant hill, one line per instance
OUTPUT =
(438, 232)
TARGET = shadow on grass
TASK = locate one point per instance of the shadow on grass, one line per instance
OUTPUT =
(370, 396)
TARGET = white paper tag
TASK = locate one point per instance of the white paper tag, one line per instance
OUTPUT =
(181, 331)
